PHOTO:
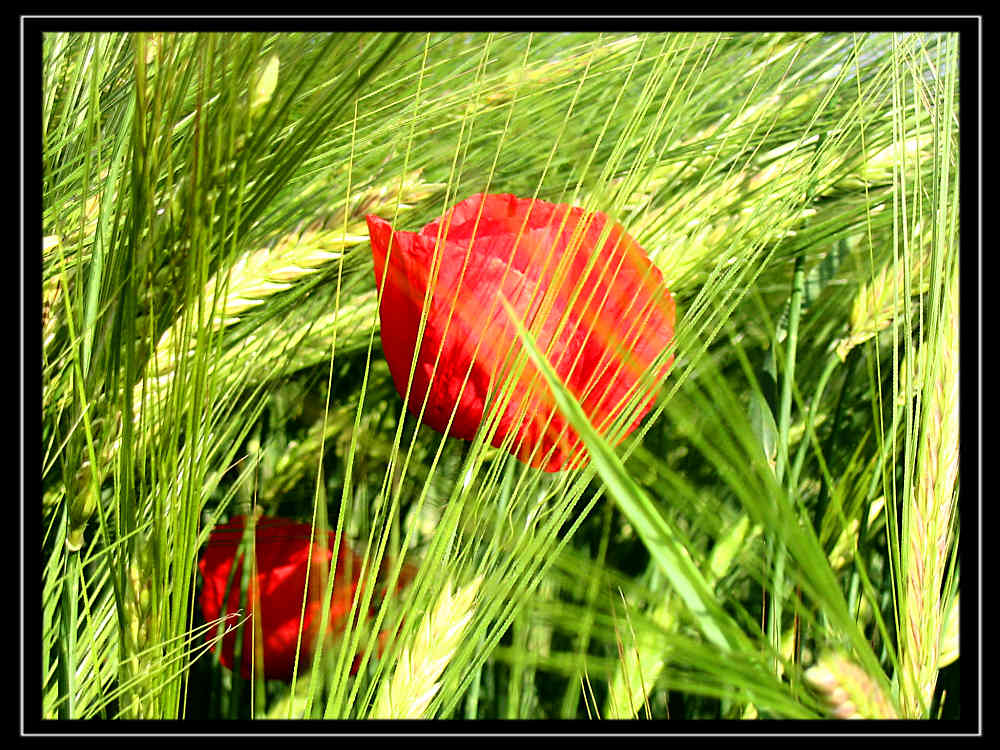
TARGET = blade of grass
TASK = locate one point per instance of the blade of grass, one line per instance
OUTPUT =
(659, 536)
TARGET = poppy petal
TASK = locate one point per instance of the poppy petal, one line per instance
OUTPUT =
(283, 551)
(596, 304)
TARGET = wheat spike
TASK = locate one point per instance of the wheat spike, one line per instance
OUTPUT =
(505, 88)
(880, 301)
(849, 692)
(259, 274)
(417, 677)
(249, 282)
(929, 523)
(639, 666)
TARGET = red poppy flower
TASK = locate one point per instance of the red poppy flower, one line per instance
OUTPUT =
(283, 551)
(595, 303)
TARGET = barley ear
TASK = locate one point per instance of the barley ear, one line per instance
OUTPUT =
(880, 301)
(849, 692)
(259, 274)
(417, 677)
(929, 522)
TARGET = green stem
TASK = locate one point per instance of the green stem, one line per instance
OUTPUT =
(67, 640)
(785, 408)
(784, 424)
(810, 431)
(824, 494)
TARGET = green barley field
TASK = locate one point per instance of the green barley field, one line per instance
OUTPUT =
(765, 527)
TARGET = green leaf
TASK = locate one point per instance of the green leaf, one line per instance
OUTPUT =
(656, 532)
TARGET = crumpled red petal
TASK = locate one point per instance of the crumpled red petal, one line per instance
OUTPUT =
(595, 303)
(283, 550)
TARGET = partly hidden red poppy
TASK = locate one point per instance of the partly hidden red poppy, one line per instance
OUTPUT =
(596, 305)
(275, 597)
